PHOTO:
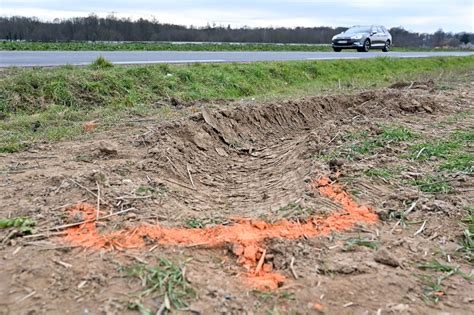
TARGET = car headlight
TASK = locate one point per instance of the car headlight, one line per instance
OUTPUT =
(334, 37)
(356, 37)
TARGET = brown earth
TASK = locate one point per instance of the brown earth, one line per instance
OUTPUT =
(251, 162)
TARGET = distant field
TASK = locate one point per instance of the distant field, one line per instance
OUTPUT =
(87, 46)
(49, 104)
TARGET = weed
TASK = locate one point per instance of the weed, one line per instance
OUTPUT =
(350, 243)
(294, 210)
(158, 190)
(432, 184)
(101, 63)
(138, 306)
(20, 224)
(440, 149)
(467, 239)
(166, 279)
(463, 162)
(396, 133)
(383, 173)
(432, 287)
(437, 266)
(195, 223)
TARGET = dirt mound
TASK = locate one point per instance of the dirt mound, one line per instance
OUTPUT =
(253, 159)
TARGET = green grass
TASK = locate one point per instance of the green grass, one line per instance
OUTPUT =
(463, 162)
(349, 244)
(78, 46)
(449, 150)
(440, 149)
(437, 266)
(23, 225)
(51, 104)
(198, 223)
(397, 134)
(101, 63)
(18, 227)
(433, 289)
(432, 286)
(382, 173)
(361, 143)
(467, 239)
(165, 280)
(433, 184)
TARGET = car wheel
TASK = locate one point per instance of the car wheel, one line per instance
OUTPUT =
(366, 46)
(386, 48)
(337, 49)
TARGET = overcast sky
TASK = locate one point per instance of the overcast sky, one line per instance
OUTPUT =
(414, 15)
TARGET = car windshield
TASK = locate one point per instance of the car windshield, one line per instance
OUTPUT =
(358, 29)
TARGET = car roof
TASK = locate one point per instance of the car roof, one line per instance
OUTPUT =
(367, 25)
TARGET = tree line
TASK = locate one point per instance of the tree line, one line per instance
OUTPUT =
(94, 28)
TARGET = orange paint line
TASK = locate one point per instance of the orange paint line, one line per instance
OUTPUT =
(246, 234)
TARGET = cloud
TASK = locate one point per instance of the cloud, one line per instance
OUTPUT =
(420, 15)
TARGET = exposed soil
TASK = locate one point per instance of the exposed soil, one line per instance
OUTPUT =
(254, 165)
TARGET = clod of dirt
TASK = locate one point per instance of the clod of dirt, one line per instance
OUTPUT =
(335, 165)
(107, 149)
(174, 101)
(35, 126)
(422, 85)
(383, 256)
(90, 125)
(416, 106)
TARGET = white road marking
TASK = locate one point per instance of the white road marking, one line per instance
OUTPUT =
(417, 56)
(333, 58)
(167, 61)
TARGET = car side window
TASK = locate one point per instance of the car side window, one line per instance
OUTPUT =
(380, 30)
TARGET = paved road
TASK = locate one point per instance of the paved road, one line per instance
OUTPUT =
(57, 58)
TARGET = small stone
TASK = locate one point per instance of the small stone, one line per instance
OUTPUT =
(237, 249)
(398, 308)
(383, 256)
(259, 224)
(107, 149)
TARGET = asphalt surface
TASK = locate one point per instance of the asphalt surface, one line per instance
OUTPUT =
(58, 58)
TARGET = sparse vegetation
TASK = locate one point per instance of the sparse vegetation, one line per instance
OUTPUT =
(432, 284)
(382, 173)
(467, 239)
(294, 210)
(449, 150)
(361, 143)
(165, 280)
(350, 243)
(432, 287)
(433, 184)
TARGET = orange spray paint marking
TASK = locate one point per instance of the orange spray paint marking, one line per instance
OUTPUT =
(247, 236)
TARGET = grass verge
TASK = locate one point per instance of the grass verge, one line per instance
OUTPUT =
(137, 46)
(50, 104)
